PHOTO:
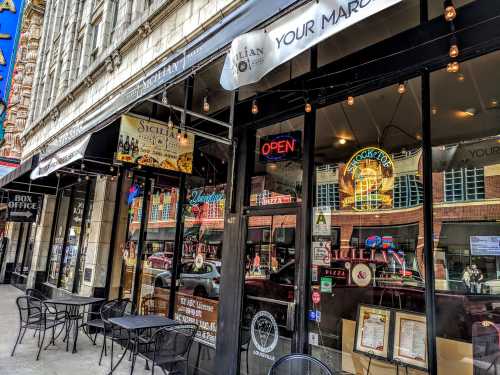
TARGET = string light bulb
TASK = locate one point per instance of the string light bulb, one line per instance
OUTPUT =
(342, 141)
(170, 123)
(255, 107)
(185, 138)
(179, 134)
(350, 100)
(87, 177)
(401, 88)
(206, 105)
(307, 107)
(454, 51)
(450, 12)
(453, 67)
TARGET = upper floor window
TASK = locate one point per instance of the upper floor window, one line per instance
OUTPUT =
(408, 191)
(78, 56)
(114, 19)
(464, 184)
(94, 47)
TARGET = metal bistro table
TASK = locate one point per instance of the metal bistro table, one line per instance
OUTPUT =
(74, 305)
(133, 324)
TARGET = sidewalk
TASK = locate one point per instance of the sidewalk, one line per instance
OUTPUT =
(55, 360)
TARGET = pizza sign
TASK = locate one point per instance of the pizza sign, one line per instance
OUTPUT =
(367, 180)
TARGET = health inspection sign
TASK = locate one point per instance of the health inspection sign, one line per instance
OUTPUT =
(23, 207)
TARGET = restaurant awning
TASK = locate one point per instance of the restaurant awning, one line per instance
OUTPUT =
(19, 179)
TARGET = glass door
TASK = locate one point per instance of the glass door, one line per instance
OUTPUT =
(269, 292)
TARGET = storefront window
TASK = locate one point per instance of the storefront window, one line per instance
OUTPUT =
(158, 251)
(277, 174)
(367, 244)
(29, 250)
(58, 241)
(21, 246)
(76, 226)
(374, 29)
(130, 247)
(466, 177)
(197, 299)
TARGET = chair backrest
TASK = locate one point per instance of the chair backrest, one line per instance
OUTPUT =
(114, 309)
(30, 309)
(35, 293)
(299, 364)
(175, 340)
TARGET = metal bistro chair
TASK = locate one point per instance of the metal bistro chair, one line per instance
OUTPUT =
(111, 309)
(35, 293)
(35, 315)
(171, 346)
(299, 364)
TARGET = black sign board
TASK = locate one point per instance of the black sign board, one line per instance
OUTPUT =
(23, 207)
(280, 147)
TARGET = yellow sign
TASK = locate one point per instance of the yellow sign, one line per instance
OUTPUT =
(155, 145)
(367, 180)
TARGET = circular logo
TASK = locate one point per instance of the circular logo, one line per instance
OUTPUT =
(264, 330)
(316, 297)
(242, 66)
(361, 275)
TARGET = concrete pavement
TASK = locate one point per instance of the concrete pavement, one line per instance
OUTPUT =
(55, 360)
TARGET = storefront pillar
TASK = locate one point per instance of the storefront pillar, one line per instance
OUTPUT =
(95, 261)
(37, 273)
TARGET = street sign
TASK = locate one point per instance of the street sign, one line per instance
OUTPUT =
(23, 207)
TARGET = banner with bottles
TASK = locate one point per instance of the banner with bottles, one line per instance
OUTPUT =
(155, 145)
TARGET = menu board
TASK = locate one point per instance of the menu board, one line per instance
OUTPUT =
(200, 311)
(155, 145)
(410, 339)
(372, 331)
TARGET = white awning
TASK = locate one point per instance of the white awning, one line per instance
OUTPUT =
(61, 158)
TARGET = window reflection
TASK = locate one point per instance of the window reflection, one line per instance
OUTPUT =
(367, 243)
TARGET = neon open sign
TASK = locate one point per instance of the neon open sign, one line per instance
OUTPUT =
(280, 147)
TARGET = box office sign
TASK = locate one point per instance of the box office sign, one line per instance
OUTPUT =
(23, 207)
(256, 53)
(200, 311)
(155, 145)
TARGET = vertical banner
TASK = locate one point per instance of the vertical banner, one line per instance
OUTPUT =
(10, 25)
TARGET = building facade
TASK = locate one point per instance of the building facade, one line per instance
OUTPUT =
(345, 204)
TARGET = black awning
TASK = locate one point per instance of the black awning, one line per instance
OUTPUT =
(19, 179)
(157, 234)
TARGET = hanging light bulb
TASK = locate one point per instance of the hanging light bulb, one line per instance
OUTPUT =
(82, 166)
(185, 138)
(170, 124)
(206, 105)
(454, 51)
(87, 178)
(179, 134)
(79, 179)
(453, 67)
(342, 141)
(307, 107)
(111, 169)
(401, 88)
(350, 100)
(449, 11)
(255, 107)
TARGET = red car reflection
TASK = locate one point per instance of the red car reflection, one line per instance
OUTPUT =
(160, 260)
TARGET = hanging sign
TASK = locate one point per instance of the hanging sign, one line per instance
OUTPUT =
(367, 180)
(23, 207)
(255, 54)
(155, 145)
(280, 147)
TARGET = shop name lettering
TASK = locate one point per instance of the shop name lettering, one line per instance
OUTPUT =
(7, 5)
(308, 28)
(200, 198)
(372, 154)
(23, 202)
(482, 152)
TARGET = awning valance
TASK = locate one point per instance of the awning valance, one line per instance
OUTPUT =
(62, 158)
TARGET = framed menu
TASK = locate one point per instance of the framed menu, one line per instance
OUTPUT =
(410, 339)
(372, 331)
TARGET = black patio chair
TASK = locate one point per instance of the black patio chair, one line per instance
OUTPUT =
(35, 293)
(299, 364)
(112, 309)
(35, 315)
(170, 347)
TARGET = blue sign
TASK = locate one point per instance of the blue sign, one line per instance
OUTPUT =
(11, 12)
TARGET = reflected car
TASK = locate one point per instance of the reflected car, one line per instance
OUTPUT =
(160, 260)
(203, 282)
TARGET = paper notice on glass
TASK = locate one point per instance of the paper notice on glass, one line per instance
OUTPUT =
(373, 331)
(412, 339)
(322, 221)
(322, 253)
